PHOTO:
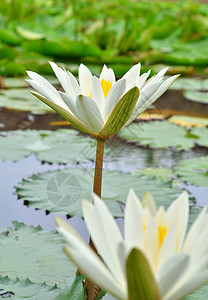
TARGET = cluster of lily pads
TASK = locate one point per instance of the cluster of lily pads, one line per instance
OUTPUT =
(173, 33)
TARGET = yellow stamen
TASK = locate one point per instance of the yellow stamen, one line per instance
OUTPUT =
(162, 232)
(106, 86)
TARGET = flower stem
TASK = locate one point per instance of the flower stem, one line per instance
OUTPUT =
(91, 289)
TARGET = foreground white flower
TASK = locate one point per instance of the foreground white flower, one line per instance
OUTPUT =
(100, 106)
(178, 262)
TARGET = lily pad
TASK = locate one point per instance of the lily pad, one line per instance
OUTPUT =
(201, 97)
(28, 252)
(194, 171)
(21, 289)
(21, 83)
(22, 99)
(61, 146)
(162, 174)
(159, 134)
(202, 134)
(62, 191)
(189, 121)
(18, 289)
(191, 84)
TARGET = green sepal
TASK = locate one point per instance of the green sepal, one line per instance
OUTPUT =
(120, 114)
(65, 114)
(141, 282)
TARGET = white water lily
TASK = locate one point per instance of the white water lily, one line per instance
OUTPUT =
(100, 106)
(178, 261)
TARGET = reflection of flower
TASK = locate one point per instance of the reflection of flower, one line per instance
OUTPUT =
(100, 107)
(178, 263)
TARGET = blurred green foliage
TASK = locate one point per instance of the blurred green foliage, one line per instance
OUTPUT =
(117, 32)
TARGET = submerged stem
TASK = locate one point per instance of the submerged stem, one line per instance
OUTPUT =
(91, 290)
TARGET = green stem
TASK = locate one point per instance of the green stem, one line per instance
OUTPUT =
(91, 290)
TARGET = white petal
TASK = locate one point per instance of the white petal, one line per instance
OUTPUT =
(161, 73)
(170, 272)
(97, 93)
(195, 230)
(85, 80)
(89, 113)
(143, 105)
(74, 86)
(111, 234)
(151, 245)
(141, 80)
(70, 103)
(107, 74)
(62, 77)
(188, 287)
(114, 95)
(133, 232)
(44, 88)
(92, 266)
(86, 259)
(178, 212)
(133, 74)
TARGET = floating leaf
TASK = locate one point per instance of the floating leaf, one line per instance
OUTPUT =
(189, 121)
(21, 289)
(18, 289)
(201, 97)
(159, 134)
(162, 174)
(30, 252)
(21, 99)
(194, 171)
(202, 134)
(61, 146)
(189, 84)
(62, 191)
(21, 83)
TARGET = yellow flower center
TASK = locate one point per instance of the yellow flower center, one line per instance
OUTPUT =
(106, 86)
(162, 232)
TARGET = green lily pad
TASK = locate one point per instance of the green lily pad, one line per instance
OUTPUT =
(189, 121)
(61, 146)
(21, 83)
(62, 191)
(159, 134)
(201, 97)
(190, 84)
(18, 289)
(21, 289)
(22, 99)
(28, 252)
(162, 174)
(194, 171)
(202, 134)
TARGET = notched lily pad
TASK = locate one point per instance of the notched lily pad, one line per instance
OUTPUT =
(62, 191)
(22, 289)
(61, 146)
(30, 252)
(194, 171)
